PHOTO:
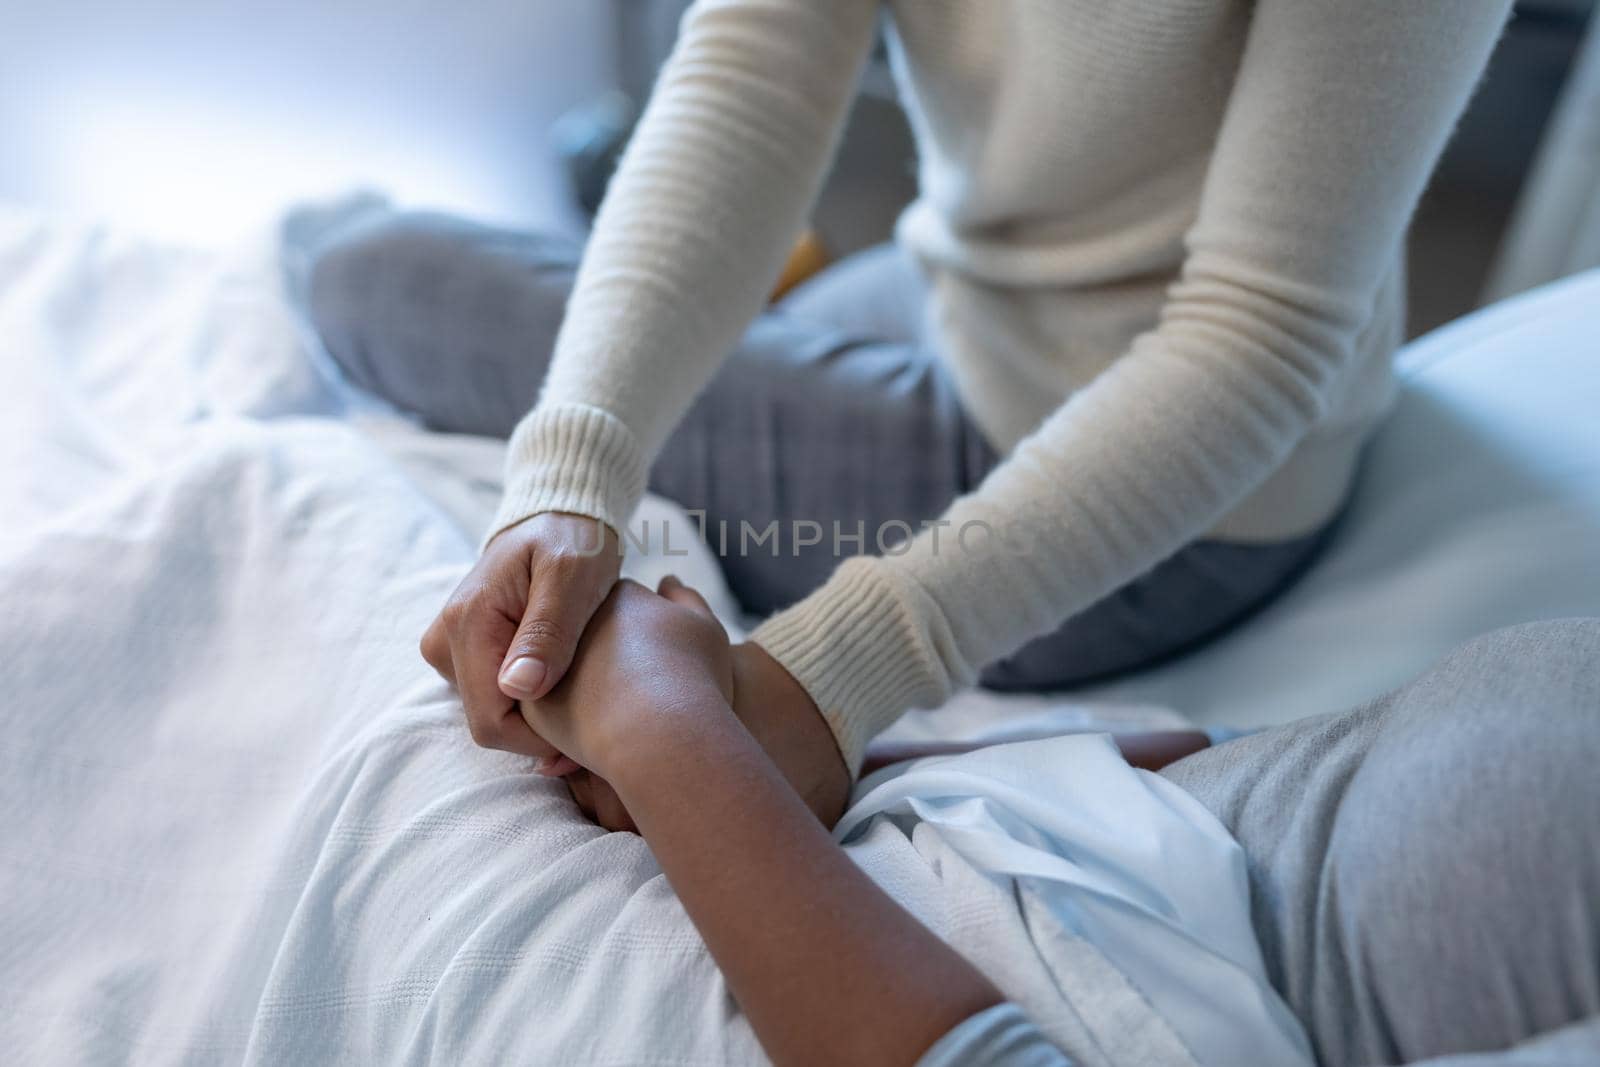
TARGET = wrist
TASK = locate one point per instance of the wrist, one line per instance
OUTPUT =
(867, 646)
(571, 458)
(566, 533)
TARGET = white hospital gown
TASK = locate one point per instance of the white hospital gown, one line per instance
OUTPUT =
(1106, 903)
(1000, 1036)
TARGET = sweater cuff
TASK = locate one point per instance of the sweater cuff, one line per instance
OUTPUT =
(866, 647)
(572, 458)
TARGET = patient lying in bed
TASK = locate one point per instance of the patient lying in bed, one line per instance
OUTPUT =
(1372, 839)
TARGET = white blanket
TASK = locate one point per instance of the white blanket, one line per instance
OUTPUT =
(244, 822)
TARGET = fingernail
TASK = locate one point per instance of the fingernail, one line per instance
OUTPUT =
(555, 766)
(523, 677)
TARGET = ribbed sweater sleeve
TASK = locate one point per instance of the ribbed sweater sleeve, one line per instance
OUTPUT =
(1339, 112)
(706, 202)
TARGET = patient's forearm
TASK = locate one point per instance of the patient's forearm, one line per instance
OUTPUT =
(827, 967)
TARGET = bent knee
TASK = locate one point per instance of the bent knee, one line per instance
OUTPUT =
(367, 268)
(1483, 759)
(1461, 868)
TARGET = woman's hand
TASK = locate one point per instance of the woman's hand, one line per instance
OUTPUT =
(510, 629)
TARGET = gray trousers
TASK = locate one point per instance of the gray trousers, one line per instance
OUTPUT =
(1425, 870)
(834, 407)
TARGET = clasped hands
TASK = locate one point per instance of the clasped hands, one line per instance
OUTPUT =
(558, 660)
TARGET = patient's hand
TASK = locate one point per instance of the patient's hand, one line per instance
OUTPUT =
(648, 667)
(627, 663)
(509, 629)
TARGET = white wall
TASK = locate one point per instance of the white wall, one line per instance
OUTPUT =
(194, 117)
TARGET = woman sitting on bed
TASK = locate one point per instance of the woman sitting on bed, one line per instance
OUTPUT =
(1118, 369)
(1423, 869)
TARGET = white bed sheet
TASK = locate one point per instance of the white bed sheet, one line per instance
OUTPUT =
(244, 822)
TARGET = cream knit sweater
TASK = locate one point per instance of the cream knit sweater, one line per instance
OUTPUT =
(1164, 238)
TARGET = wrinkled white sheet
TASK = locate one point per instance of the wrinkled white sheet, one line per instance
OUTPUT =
(243, 822)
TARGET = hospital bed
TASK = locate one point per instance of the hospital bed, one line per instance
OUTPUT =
(244, 822)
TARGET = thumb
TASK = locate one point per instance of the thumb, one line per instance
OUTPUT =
(545, 641)
(674, 590)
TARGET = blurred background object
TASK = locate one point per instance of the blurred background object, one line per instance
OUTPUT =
(1462, 224)
(196, 120)
(1556, 228)
(189, 117)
